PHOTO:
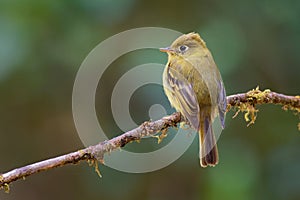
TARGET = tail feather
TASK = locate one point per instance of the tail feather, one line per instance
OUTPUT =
(207, 143)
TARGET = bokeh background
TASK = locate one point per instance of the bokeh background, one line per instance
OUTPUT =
(43, 43)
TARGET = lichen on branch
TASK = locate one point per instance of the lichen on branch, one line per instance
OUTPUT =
(247, 102)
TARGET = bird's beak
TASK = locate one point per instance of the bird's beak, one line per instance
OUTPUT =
(166, 49)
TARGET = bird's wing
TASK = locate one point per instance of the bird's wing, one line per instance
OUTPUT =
(222, 103)
(186, 98)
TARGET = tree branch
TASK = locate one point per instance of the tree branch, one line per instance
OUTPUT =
(244, 102)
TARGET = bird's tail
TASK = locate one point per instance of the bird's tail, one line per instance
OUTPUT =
(207, 142)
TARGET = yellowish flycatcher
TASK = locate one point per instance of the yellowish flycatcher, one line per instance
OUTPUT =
(194, 87)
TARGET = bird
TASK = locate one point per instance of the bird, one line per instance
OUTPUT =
(194, 87)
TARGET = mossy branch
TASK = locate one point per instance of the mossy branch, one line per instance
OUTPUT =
(245, 102)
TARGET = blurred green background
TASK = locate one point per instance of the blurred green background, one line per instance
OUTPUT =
(42, 45)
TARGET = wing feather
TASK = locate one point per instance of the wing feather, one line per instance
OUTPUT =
(222, 103)
(185, 96)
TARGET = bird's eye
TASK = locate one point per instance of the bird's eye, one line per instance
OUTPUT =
(183, 48)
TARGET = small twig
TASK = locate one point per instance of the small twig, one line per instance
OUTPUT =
(244, 102)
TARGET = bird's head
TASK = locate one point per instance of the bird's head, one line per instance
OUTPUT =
(185, 45)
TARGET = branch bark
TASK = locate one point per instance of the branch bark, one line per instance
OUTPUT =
(244, 102)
